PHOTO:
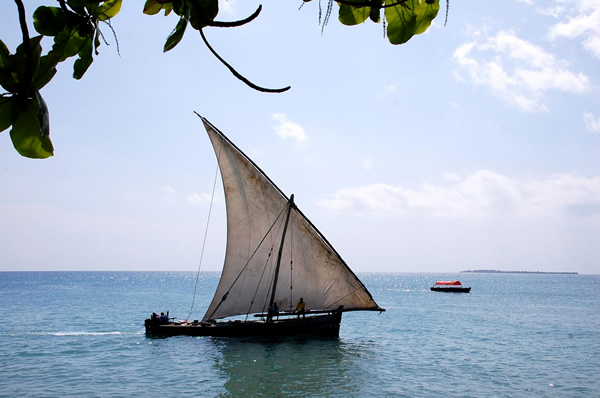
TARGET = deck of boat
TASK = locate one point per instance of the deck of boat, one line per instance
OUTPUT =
(451, 289)
(318, 325)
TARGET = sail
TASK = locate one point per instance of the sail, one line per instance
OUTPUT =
(256, 212)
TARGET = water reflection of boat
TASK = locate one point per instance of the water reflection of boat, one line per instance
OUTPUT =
(285, 367)
(450, 287)
(271, 244)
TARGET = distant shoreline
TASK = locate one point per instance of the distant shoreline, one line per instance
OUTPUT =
(495, 271)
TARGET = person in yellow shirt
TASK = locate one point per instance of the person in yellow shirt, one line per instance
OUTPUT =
(300, 308)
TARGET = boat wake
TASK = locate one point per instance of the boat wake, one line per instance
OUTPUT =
(71, 334)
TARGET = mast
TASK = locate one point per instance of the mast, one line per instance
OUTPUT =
(287, 220)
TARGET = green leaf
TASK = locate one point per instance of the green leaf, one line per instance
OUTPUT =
(91, 6)
(152, 7)
(4, 54)
(401, 26)
(84, 61)
(409, 18)
(168, 7)
(180, 7)
(46, 71)
(202, 12)
(78, 5)
(6, 110)
(426, 14)
(43, 115)
(108, 10)
(19, 60)
(177, 34)
(49, 21)
(349, 15)
(30, 134)
(375, 15)
(7, 80)
(68, 43)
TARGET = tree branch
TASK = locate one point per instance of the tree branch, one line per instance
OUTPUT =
(25, 85)
(237, 74)
(63, 6)
(220, 24)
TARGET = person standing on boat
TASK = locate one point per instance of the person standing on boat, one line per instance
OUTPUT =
(273, 311)
(164, 318)
(300, 308)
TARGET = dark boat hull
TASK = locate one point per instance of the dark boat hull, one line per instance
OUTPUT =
(451, 289)
(320, 325)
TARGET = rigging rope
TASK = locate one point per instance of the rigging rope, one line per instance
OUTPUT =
(265, 305)
(205, 232)
(247, 263)
(258, 284)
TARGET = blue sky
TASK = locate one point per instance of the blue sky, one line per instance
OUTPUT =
(475, 145)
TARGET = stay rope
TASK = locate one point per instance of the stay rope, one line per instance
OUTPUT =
(258, 285)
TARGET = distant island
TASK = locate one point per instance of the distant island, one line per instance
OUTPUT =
(495, 271)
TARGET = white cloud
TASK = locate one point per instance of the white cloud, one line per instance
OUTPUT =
(555, 11)
(288, 129)
(516, 70)
(228, 7)
(591, 123)
(169, 195)
(198, 198)
(367, 163)
(584, 22)
(482, 195)
(451, 177)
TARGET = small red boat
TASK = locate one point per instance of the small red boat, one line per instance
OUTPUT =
(450, 287)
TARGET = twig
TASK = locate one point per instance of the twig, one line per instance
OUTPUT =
(220, 24)
(63, 6)
(237, 74)
(26, 84)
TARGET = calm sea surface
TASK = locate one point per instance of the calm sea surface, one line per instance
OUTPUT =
(80, 334)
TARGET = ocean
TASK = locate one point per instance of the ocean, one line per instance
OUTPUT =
(81, 334)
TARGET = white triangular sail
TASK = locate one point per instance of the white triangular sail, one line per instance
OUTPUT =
(256, 211)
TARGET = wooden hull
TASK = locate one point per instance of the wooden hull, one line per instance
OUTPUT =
(320, 325)
(451, 289)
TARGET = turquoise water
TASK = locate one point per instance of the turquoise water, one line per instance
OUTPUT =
(74, 334)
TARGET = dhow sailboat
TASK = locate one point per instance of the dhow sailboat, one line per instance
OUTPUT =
(274, 257)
